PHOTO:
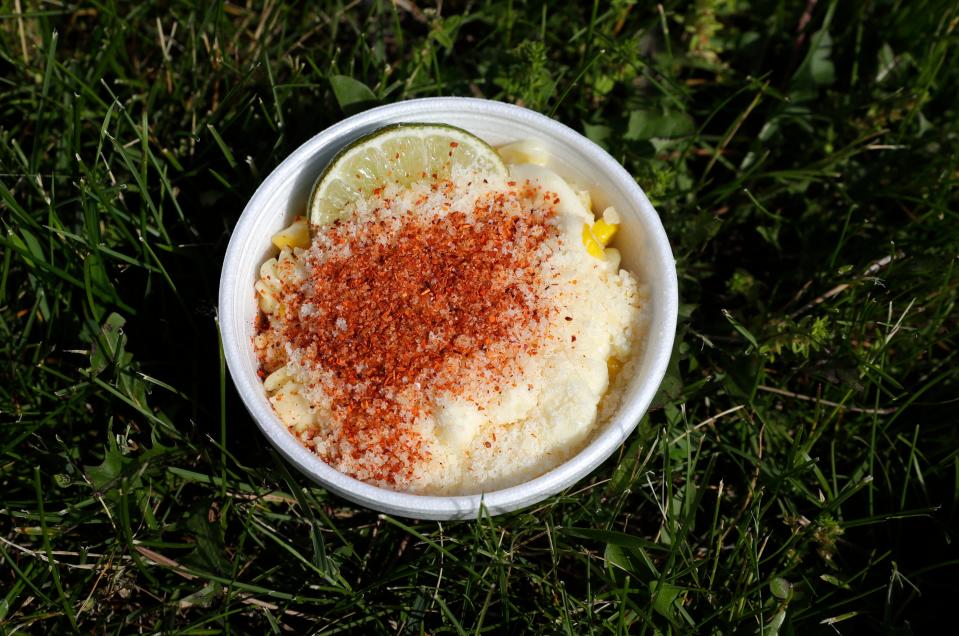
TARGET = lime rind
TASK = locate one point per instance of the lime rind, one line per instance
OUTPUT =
(399, 153)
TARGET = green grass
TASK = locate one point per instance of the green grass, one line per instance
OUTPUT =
(800, 469)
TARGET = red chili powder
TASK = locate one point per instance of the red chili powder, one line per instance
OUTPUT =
(423, 307)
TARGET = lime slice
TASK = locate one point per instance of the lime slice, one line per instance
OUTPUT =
(402, 154)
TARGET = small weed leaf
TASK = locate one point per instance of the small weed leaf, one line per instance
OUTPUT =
(801, 338)
(647, 124)
(780, 588)
(445, 30)
(108, 347)
(633, 561)
(772, 629)
(204, 597)
(105, 475)
(745, 333)
(209, 553)
(834, 580)
(666, 600)
(96, 280)
(625, 473)
(598, 133)
(817, 69)
(33, 245)
(351, 94)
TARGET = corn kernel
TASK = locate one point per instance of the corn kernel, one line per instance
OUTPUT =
(296, 235)
(525, 151)
(604, 231)
(268, 268)
(593, 246)
(292, 407)
(268, 303)
(277, 379)
(268, 278)
(611, 216)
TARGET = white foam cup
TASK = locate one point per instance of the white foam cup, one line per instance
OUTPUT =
(641, 241)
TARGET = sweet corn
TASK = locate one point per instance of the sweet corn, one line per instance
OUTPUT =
(292, 407)
(277, 379)
(525, 151)
(598, 236)
(611, 216)
(296, 235)
(268, 275)
(604, 231)
(268, 303)
(594, 247)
